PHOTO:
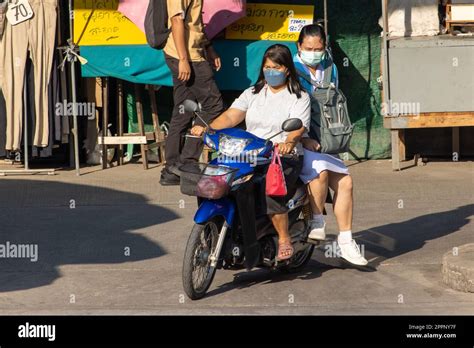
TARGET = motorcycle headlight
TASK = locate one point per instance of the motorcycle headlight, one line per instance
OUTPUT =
(230, 146)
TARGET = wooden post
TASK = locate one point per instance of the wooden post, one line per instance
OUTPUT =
(141, 125)
(154, 111)
(120, 119)
(105, 119)
(395, 149)
(402, 147)
(159, 139)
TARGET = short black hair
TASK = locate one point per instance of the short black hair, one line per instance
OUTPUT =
(280, 54)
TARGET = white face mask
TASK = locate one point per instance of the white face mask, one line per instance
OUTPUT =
(311, 58)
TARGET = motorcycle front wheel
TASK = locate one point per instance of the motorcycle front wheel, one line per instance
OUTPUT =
(197, 270)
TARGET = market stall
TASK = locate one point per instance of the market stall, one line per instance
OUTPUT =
(106, 62)
(428, 73)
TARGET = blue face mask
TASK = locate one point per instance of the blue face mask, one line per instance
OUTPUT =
(275, 77)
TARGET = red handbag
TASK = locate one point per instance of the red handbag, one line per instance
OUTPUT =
(275, 180)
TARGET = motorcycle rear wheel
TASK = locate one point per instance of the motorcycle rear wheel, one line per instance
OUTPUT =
(198, 273)
(299, 261)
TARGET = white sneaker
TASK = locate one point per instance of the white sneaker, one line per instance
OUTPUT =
(351, 253)
(318, 230)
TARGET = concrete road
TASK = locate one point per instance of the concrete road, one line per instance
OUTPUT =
(112, 242)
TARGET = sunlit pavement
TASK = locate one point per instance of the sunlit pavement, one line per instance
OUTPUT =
(112, 242)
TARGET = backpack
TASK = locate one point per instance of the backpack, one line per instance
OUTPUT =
(330, 122)
(156, 23)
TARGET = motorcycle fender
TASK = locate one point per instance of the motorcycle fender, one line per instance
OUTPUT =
(211, 208)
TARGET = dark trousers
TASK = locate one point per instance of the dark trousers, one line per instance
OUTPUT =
(201, 88)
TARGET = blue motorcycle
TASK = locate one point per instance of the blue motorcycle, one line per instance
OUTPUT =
(231, 229)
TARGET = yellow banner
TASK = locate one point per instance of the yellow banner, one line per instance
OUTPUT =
(97, 22)
(271, 22)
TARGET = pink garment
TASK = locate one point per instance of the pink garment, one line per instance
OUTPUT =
(135, 11)
(217, 14)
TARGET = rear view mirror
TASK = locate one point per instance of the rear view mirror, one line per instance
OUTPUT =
(191, 106)
(292, 124)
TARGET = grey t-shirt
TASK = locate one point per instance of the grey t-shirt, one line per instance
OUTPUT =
(266, 112)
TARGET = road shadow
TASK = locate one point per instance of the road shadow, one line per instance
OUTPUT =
(380, 243)
(392, 240)
(315, 269)
(72, 225)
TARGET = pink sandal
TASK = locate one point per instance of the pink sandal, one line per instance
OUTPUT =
(285, 251)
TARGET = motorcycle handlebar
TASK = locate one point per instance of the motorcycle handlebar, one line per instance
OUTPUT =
(194, 136)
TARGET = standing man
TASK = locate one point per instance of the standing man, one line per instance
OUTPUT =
(191, 58)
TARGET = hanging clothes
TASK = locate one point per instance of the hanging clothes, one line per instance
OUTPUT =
(54, 118)
(3, 11)
(46, 151)
(3, 123)
(54, 92)
(36, 35)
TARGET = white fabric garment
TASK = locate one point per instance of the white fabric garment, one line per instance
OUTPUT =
(412, 18)
(266, 112)
(315, 162)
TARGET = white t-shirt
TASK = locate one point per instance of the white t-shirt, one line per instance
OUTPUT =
(266, 112)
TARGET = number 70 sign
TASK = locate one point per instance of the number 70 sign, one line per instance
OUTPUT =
(18, 11)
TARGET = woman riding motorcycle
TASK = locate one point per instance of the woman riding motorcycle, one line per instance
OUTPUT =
(276, 97)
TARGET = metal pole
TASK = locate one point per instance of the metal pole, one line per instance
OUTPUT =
(75, 131)
(385, 73)
(326, 16)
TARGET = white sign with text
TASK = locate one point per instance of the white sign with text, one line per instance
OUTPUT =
(19, 11)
